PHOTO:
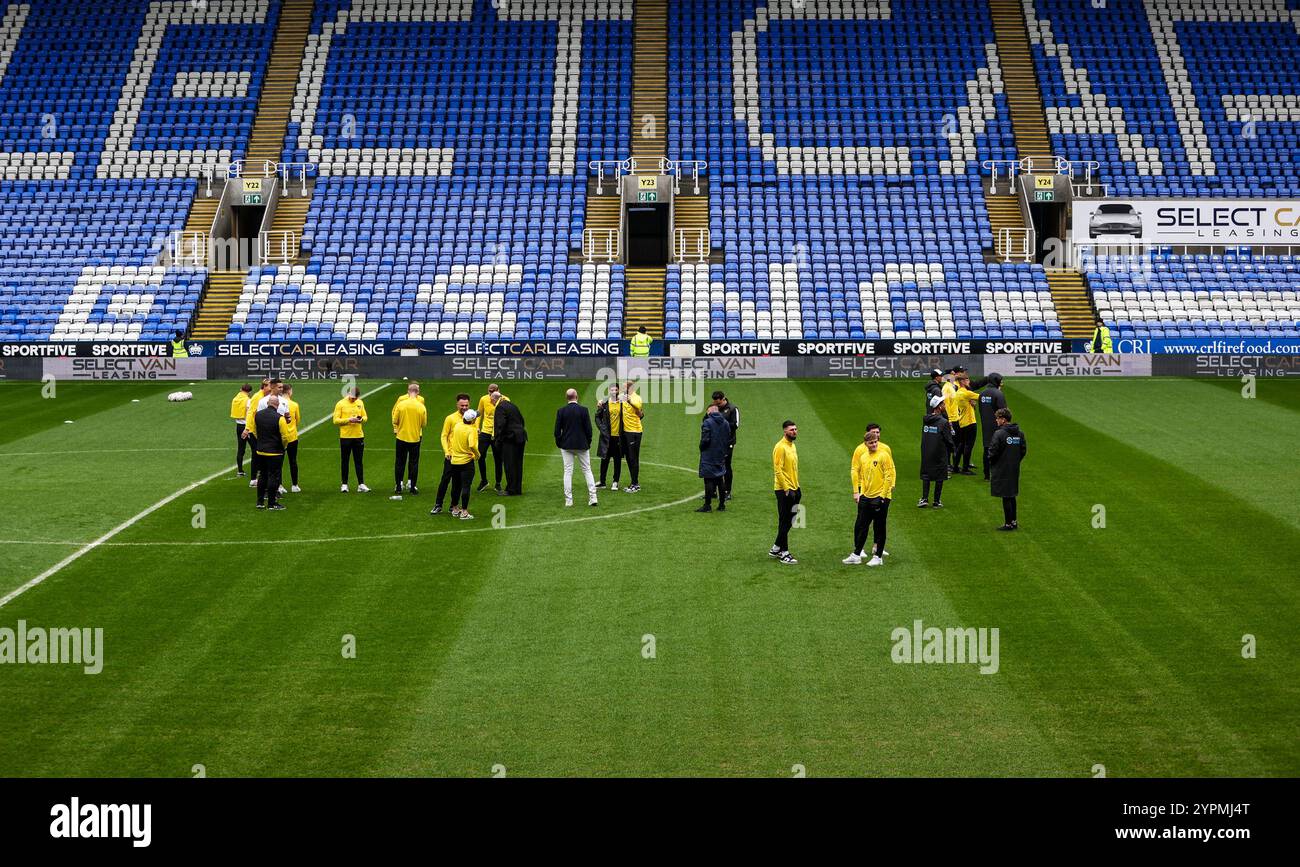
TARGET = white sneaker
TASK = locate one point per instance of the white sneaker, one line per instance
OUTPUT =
(875, 561)
(568, 503)
(282, 490)
(343, 489)
(614, 487)
(884, 553)
(852, 560)
(362, 489)
(592, 502)
(253, 483)
(296, 489)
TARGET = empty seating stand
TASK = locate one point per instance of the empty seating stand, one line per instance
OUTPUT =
(844, 142)
(105, 112)
(451, 143)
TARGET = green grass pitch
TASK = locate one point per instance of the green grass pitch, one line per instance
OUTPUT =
(522, 646)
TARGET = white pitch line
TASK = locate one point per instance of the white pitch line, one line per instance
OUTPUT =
(130, 522)
(552, 523)
(372, 537)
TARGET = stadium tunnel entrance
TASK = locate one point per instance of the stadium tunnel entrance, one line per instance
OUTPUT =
(647, 235)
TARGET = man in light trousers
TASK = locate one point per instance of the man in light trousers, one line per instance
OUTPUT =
(573, 439)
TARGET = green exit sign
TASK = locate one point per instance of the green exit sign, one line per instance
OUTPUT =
(1044, 195)
(647, 197)
(252, 198)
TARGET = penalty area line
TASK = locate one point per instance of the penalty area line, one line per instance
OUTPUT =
(132, 521)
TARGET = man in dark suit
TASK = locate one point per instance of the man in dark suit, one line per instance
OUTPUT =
(269, 430)
(573, 439)
(508, 427)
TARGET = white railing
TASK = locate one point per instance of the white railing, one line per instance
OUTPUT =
(287, 171)
(1015, 244)
(1090, 191)
(677, 168)
(279, 247)
(188, 248)
(235, 170)
(1001, 171)
(1034, 166)
(210, 173)
(1086, 169)
(691, 244)
(600, 244)
(612, 168)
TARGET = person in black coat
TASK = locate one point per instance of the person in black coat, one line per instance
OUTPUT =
(936, 443)
(608, 449)
(991, 400)
(573, 439)
(1006, 450)
(731, 414)
(508, 427)
(933, 388)
(715, 441)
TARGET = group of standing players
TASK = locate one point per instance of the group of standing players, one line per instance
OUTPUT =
(954, 412)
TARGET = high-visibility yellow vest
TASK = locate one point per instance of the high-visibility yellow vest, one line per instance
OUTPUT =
(1101, 341)
(179, 350)
(641, 345)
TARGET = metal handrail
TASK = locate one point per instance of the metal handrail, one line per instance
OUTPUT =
(701, 251)
(286, 171)
(600, 243)
(615, 168)
(235, 170)
(677, 168)
(188, 248)
(1029, 167)
(209, 172)
(1090, 190)
(279, 246)
(1089, 169)
(1015, 243)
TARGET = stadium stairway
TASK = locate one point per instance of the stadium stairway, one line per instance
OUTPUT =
(1020, 80)
(602, 212)
(645, 286)
(217, 306)
(266, 142)
(645, 301)
(1073, 303)
(1070, 295)
(691, 213)
(1028, 120)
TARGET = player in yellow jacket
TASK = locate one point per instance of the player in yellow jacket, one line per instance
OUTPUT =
(448, 428)
(873, 475)
(964, 431)
(463, 452)
(487, 411)
(631, 416)
(349, 417)
(239, 414)
(409, 420)
(292, 419)
(785, 480)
